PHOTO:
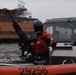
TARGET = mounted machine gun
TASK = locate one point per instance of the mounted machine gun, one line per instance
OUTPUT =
(25, 38)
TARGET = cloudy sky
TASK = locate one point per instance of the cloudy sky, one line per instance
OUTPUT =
(45, 9)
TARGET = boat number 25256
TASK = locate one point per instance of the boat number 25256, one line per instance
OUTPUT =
(33, 71)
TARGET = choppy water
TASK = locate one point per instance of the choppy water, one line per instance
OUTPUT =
(9, 52)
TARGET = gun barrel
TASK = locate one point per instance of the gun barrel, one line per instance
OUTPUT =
(15, 24)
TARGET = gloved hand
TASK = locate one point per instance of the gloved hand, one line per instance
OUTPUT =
(53, 45)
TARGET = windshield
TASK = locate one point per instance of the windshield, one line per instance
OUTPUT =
(62, 31)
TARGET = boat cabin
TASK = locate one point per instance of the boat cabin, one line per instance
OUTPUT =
(64, 31)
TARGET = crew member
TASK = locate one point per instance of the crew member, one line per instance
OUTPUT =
(41, 46)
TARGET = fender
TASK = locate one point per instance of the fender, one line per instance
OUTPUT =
(67, 69)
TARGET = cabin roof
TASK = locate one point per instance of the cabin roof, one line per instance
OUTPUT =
(57, 20)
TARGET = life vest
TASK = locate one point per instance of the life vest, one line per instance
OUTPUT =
(45, 34)
(41, 45)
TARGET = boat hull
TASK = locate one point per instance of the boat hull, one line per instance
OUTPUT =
(69, 69)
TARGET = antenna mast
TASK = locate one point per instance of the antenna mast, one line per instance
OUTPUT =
(24, 13)
(21, 4)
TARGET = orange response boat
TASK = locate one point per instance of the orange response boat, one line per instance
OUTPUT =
(69, 69)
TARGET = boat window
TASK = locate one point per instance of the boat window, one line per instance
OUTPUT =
(66, 31)
(0, 19)
(75, 31)
(8, 20)
(48, 29)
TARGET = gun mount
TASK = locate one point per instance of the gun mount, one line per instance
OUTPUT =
(25, 38)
